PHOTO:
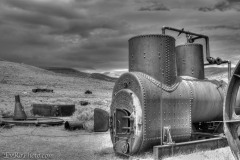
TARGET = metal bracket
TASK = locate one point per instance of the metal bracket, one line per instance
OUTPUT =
(167, 137)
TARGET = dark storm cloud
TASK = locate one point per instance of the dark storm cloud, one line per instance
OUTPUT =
(229, 27)
(154, 6)
(93, 34)
(86, 26)
(151, 5)
(60, 9)
(57, 34)
(223, 6)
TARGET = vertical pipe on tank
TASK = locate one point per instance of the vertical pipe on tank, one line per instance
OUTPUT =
(229, 70)
(154, 55)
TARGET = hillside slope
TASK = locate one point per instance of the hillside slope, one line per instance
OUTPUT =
(67, 71)
(217, 73)
(76, 73)
(20, 79)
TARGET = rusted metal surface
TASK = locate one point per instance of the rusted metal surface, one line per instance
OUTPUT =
(188, 147)
(101, 120)
(190, 60)
(127, 103)
(153, 55)
(152, 97)
(180, 107)
(231, 120)
(19, 113)
(208, 99)
(53, 110)
(146, 110)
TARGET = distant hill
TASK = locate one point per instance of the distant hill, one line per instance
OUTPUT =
(217, 73)
(115, 74)
(102, 77)
(27, 75)
(68, 71)
(215, 70)
(17, 73)
(76, 73)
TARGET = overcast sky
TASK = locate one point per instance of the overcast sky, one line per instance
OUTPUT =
(93, 34)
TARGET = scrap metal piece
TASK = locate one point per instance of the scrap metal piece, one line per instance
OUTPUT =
(167, 137)
(19, 113)
(73, 125)
(50, 110)
(33, 121)
(101, 120)
(231, 119)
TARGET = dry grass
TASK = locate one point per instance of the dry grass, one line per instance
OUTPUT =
(218, 154)
(53, 140)
(21, 79)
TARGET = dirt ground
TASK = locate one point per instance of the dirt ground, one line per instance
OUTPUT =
(79, 145)
(58, 142)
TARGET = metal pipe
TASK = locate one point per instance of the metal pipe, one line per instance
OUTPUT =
(164, 28)
(229, 70)
(72, 125)
(182, 31)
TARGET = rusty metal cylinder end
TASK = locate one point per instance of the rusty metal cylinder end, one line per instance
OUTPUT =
(190, 61)
(145, 51)
(73, 125)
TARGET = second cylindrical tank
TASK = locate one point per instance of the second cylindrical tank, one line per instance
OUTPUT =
(189, 59)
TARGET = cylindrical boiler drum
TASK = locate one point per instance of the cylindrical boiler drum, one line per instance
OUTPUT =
(190, 60)
(153, 55)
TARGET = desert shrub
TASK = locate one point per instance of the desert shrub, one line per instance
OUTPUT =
(88, 92)
(84, 103)
(6, 112)
(83, 114)
(89, 125)
(3, 81)
(98, 103)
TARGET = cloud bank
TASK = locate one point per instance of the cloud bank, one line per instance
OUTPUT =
(93, 34)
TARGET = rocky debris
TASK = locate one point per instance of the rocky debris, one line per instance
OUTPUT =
(88, 92)
(42, 90)
(84, 103)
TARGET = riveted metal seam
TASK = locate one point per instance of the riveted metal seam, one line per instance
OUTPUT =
(144, 110)
(158, 84)
(191, 101)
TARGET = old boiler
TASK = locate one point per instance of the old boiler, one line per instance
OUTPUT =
(165, 98)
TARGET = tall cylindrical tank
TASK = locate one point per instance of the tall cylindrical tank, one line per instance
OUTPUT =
(153, 55)
(189, 59)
